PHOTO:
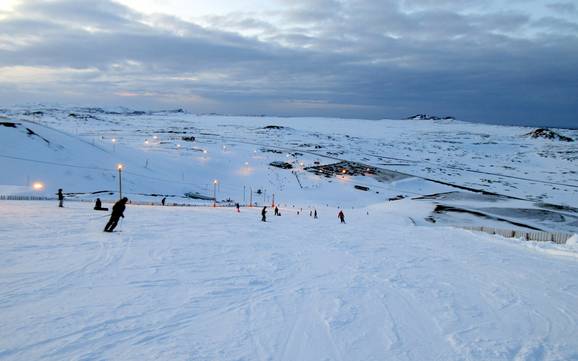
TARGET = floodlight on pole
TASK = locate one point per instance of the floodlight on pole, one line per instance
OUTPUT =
(215, 182)
(119, 167)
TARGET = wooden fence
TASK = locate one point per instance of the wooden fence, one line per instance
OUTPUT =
(25, 198)
(105, 201)
(556, 237)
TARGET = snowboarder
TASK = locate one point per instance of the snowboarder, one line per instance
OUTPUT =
(163, 200)
(276, 211)
(341, 216)
(315, 214)
(238, 207)
(263, 214)
(60, 198)
(98, 205)
(117, 212)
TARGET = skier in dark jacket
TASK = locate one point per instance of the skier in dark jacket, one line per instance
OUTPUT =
(341, 216)
(163, 201)
(60, 198)
(276, 211)
(263, 213)
(117, 212)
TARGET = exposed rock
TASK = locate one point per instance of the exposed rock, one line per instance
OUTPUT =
(8, 124)
(548, 134)
(429, 117)
(282, 165)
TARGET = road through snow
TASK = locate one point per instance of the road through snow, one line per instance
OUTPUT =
(213, 284)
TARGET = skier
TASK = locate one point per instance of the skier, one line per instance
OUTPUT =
(60, 197)
(341, 216)
(310, 213)
(163, 200)
(276, 211)
(98, 205)
(238, 207)
(263, 213)
(117, 212)
(315, 214)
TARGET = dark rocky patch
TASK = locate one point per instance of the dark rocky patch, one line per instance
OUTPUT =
(30, 132)
(282, 165)
(429, 117)
(81, 116)
(545, 133)
(265, 150)
(9, 124)
(195, 195)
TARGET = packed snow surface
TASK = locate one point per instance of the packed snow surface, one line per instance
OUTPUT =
(201, 283)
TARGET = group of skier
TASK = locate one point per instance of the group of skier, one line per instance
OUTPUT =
(120, 206)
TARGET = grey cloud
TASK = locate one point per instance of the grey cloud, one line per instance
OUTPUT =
(354, 58)
(562, 7)
(557, 25)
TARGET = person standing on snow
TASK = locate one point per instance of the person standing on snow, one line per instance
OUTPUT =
(163, 200)
(315, 214)
(276, 211)
(117, 212)
(341, 216)
(238, 207)
(263, 214)
(60, 198)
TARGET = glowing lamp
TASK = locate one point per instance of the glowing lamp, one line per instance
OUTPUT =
(119, 167)
(38, 186)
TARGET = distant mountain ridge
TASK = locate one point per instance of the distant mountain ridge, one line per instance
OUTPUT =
(429, 117)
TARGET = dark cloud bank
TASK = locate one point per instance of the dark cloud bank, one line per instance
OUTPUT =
(354, 58)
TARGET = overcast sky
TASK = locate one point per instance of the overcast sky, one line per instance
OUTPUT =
(497, 61)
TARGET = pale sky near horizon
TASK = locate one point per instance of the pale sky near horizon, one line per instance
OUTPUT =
(482, 60)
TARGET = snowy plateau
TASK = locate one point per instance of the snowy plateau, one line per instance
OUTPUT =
(401, 279)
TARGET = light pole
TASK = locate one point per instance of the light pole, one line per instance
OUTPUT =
(215, 192)
(119, 167)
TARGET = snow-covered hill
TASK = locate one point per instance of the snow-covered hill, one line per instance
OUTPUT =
(337, 162)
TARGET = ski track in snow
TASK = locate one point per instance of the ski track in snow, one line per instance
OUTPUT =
(211, 284)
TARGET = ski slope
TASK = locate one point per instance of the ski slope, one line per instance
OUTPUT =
(212, 284)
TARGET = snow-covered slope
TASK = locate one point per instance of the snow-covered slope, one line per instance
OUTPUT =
(213, 284)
